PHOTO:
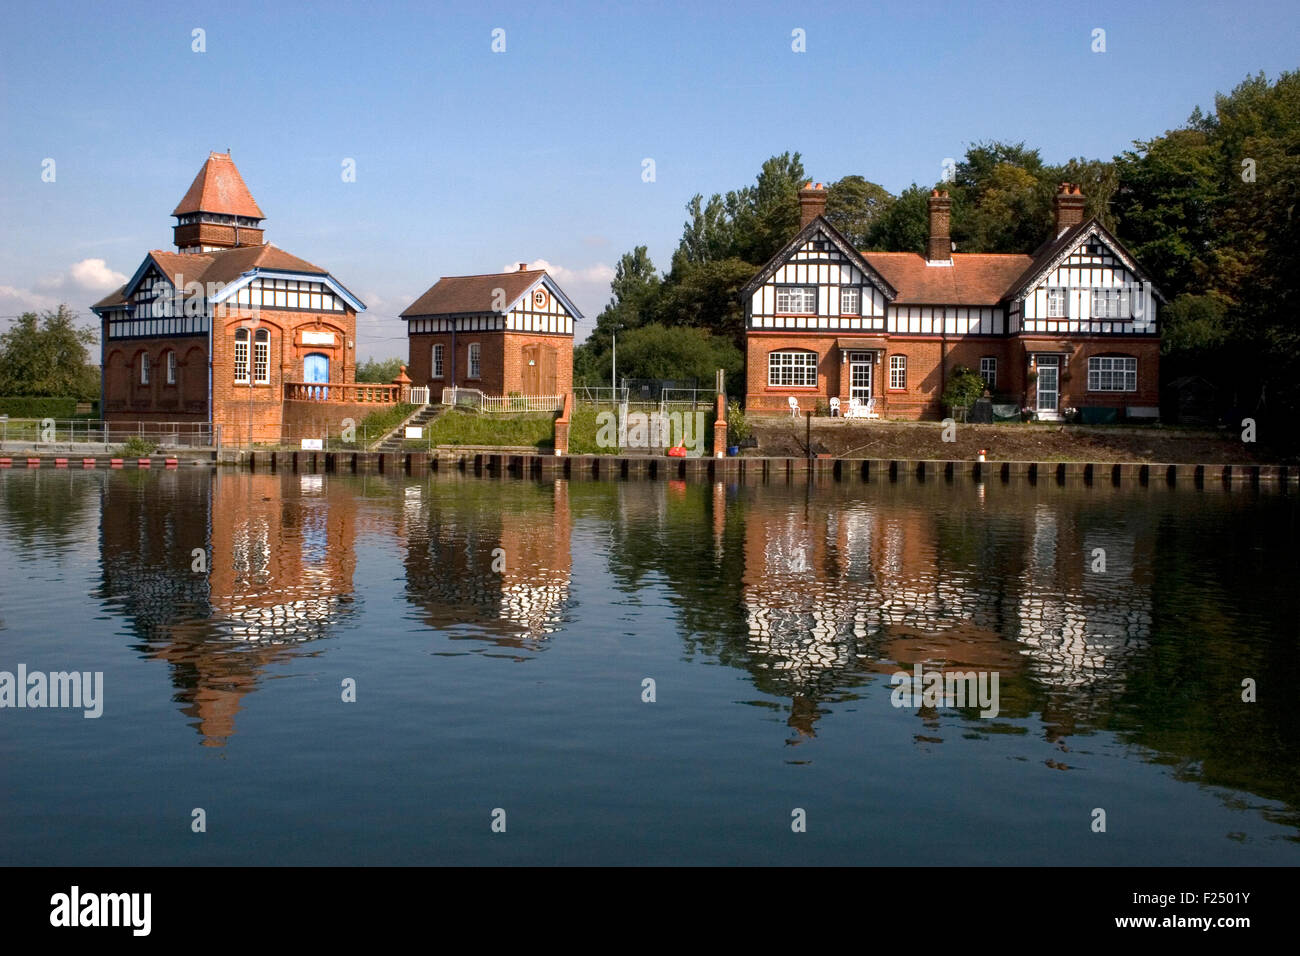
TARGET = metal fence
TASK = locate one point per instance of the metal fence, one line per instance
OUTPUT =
(474, 400)
(41, 431)
(600, 395)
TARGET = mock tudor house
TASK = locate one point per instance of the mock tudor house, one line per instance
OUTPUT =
(231, 330)
(1072, 325)
(504, 333)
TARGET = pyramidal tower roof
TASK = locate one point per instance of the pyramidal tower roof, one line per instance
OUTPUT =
(218, 188)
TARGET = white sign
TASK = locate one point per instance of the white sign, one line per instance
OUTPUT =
(313, 444)
(317, 338)
(414, 431)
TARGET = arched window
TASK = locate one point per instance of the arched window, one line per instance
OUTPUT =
(171, 367)
(241, 355)
(792, 369)
(262, 357)
(144, 368)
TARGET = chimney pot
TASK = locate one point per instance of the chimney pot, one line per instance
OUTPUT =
(939, 247)
(523, 267)
(1067, 207)
(812, 203)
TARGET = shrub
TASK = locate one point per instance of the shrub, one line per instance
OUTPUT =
(137, 446)
(27, 407)
(738, 427)
(964, 387)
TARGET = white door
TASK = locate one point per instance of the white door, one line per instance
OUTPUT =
(1049, 391)
(860, 376)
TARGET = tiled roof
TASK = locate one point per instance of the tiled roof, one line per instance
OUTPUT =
(462, 295)
(225, 267)
(219, 188)
(979, 279)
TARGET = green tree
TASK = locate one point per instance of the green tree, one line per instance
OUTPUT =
(905, 225)
(379, 370)
(657, 351)
(853, 206)
(48, 356)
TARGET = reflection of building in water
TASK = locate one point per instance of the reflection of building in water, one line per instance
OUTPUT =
(1079, 625)
(280, 556)
(283, 566)
(503, 574)
(833, 585)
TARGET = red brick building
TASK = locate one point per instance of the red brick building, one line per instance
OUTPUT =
(1072, 325)
(502, 333)
(231, 330)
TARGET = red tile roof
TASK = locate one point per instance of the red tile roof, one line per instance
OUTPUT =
(972, 279)
(462, 295)
(219, 188)
(225, 266)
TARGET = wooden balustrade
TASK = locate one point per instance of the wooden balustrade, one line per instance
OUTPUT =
(350, 393)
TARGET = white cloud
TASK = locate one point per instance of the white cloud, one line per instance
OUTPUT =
(587, 287)
(88, 275)
(94, 274)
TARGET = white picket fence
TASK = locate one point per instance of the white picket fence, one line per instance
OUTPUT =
(419, 395)
(473, 399)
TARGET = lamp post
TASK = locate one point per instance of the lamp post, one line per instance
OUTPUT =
(613, 361)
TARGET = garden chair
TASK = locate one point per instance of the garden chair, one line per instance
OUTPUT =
(835, 408)
(794, 406)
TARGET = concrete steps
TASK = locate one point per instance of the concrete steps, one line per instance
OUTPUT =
(392, 442)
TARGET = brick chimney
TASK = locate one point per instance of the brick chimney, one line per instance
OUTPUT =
(812, 202)
(1068, 207)
(939, 248)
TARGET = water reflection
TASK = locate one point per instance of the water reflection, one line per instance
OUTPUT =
(813, 592)
(481, 571)
(279, 554)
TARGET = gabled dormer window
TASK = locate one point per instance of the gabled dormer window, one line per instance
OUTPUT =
(796, 300)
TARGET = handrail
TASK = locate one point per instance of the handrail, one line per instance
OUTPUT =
(344, 393)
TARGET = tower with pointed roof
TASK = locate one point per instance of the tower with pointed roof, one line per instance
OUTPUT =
(217, 212)
(231, 331)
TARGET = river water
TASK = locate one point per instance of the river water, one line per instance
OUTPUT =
(331, 669)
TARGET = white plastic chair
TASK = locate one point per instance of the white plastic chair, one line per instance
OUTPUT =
(794, 406)
(835, 408)
(870, 410)
(855, 408)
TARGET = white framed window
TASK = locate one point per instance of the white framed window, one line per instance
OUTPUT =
(144, 369)
(241, 355)
(1112, 373)
(475, 351)
(850, 300)
(796, 369)
(796, 300)
(989, 371)
(1056, 303)
(171, 368)
(262, 357)
(1110, 304)
(898, 371)
(436, 364)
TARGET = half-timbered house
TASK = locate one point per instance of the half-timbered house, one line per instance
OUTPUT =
(230, 330)
(1072, 325)
(505, 333)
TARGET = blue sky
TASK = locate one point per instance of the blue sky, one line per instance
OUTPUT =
(469, 160)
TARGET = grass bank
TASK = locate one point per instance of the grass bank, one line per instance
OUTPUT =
(1012, 441)
(457, 427)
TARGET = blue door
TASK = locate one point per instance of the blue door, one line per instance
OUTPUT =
(316, 368)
